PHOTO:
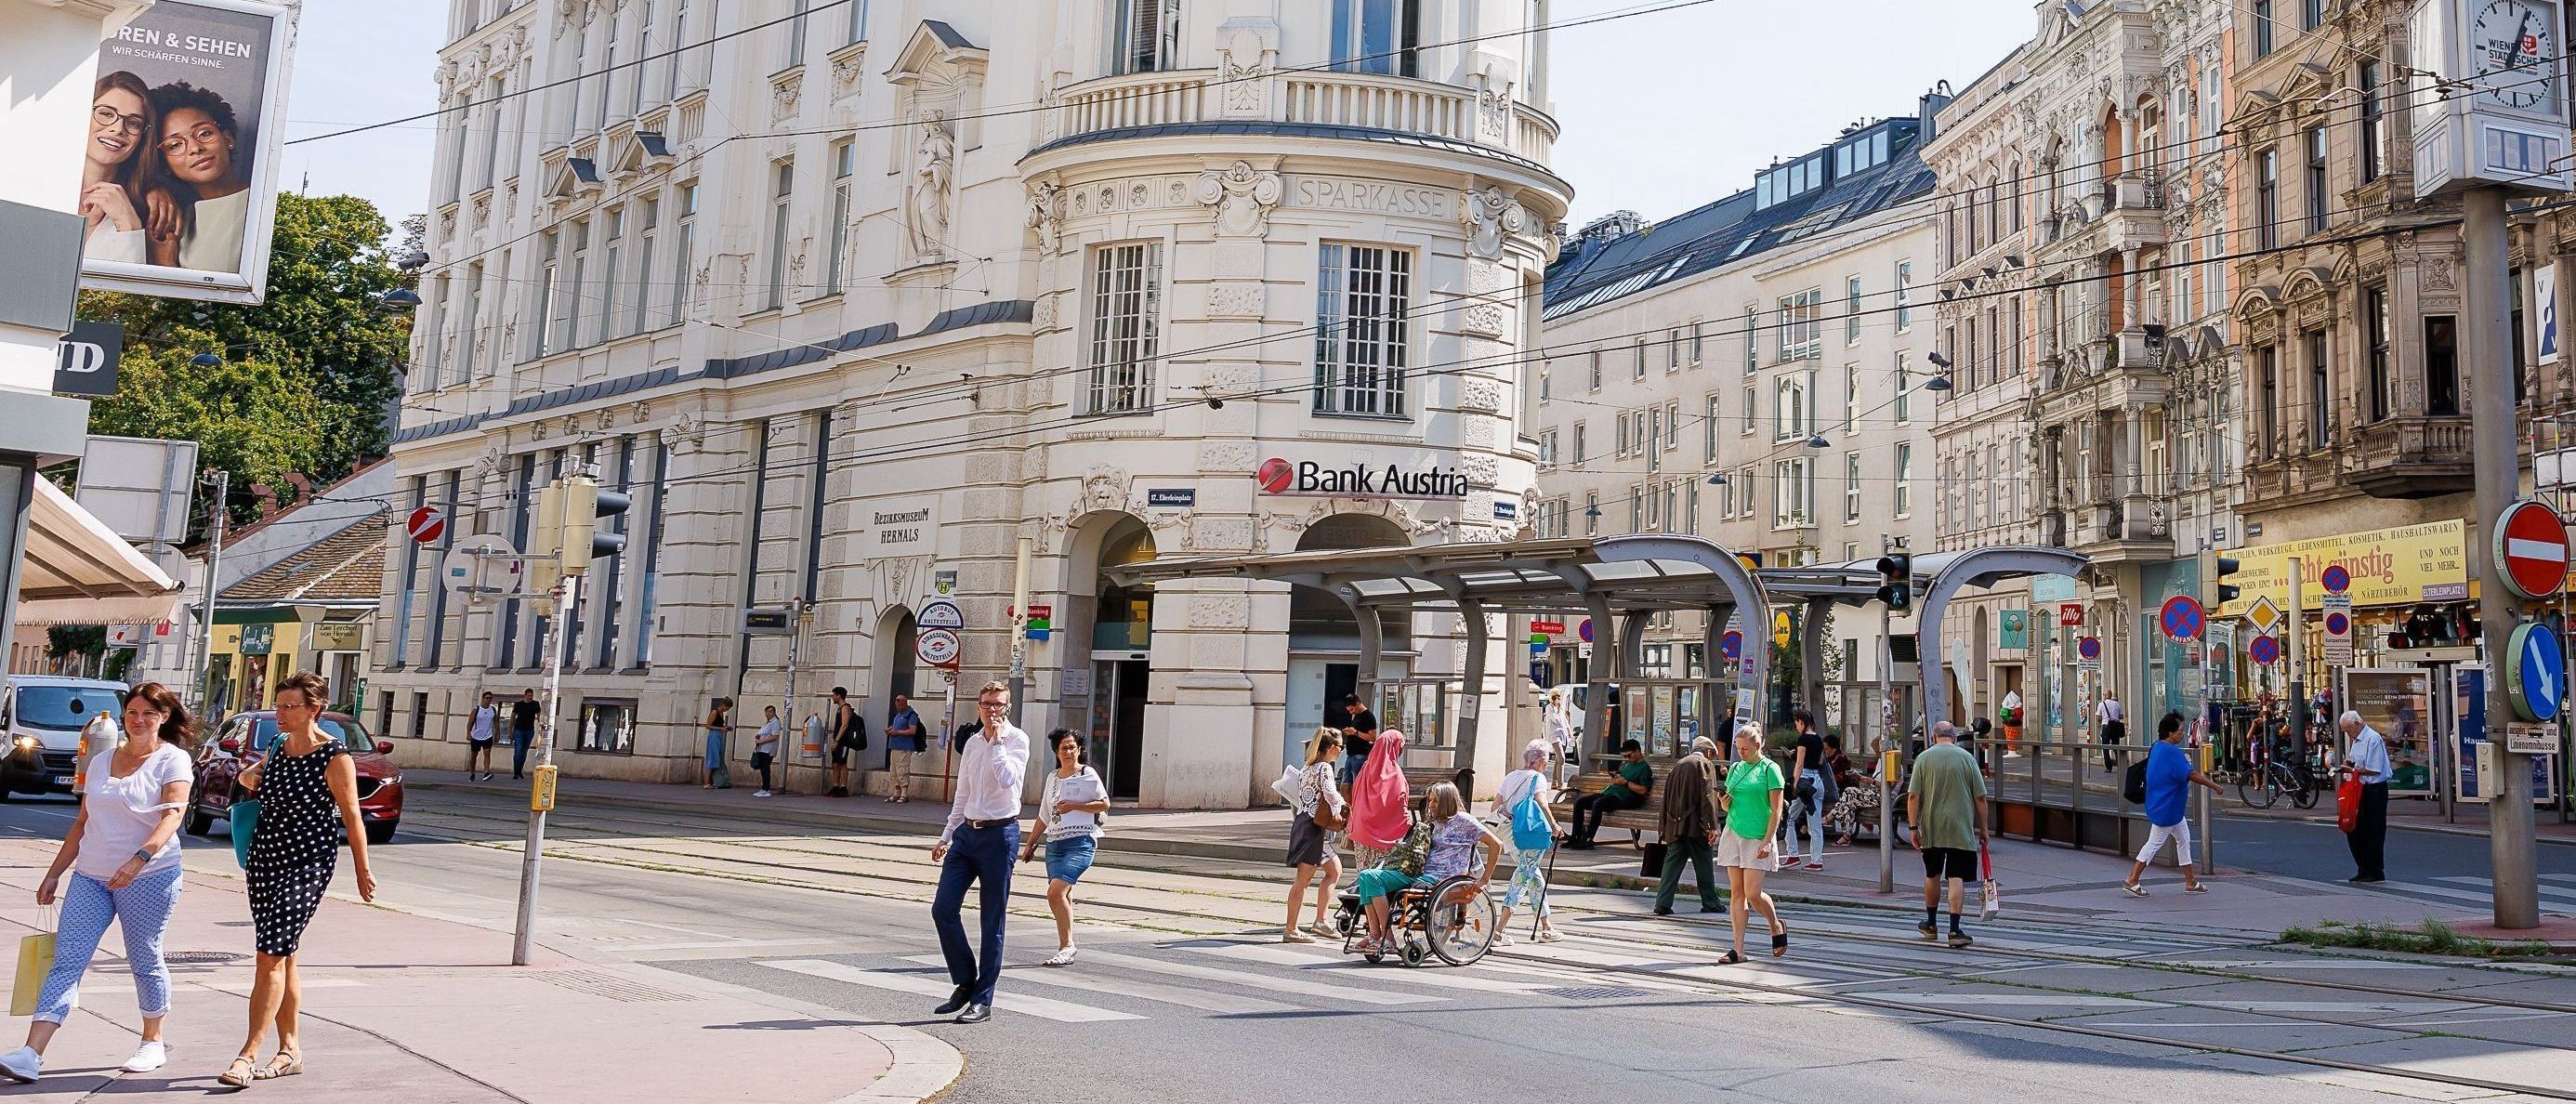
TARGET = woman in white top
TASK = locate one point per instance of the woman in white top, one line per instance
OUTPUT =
(1320, 809)
(1070, 807)
(123, 854)
(198, 221)
(121, 132)
(1529, 875)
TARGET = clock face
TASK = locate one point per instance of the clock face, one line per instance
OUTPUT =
(2513, 45)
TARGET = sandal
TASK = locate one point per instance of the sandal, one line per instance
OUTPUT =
(1780, 942)
(286, 1063)
(1294, 936)
(1731, 958)
(240, 1073)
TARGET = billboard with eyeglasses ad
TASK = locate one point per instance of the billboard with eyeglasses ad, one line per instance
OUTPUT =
(178, 178)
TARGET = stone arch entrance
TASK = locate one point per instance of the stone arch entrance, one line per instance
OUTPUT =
(1108, 645)
(1324, 639)
(896, 672)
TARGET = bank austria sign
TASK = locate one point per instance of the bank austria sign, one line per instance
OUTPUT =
(1418, 476)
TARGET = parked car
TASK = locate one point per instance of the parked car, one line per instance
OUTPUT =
(43, 716)
(245, 738)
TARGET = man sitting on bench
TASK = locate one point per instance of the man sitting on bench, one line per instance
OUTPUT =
(1627, 791)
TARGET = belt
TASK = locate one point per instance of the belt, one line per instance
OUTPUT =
(989, 823)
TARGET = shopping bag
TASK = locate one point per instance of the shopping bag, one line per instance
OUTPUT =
(2348, 803)
(1994, 905)
(245, 820)
(35, 959)
(1286, 784)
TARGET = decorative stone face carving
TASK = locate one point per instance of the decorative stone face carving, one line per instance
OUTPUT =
(1492, 213)
(784, 96)
(1243, 197)
(934, 166)
(845, 75)
(1046, 215)
(1105, 488)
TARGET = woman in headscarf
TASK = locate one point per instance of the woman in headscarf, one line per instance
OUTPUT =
(1378, 794)
(121, 131)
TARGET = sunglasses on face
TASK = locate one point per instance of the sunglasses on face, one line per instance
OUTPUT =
(104, 115)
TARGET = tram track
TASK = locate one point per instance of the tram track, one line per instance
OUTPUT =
(907, 857)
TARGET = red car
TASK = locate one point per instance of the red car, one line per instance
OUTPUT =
(245, 737)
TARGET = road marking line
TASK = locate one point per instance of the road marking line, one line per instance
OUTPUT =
(2304, 964)
(1434, 973)
(1041, 1007)
(1094, 981)
(1259, 981)
(2038, 999)
(2545, 891)
(2438, 891)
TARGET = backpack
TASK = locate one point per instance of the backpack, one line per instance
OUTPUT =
(2133, 786)
(1407, 856)
(1530, 828)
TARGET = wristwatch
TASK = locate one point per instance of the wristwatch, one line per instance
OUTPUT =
(143, 855)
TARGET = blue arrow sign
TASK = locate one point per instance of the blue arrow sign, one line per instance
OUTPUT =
(2539, 684)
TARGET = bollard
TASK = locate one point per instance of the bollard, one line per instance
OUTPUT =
(1887, 821)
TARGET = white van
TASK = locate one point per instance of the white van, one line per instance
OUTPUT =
(43, 715)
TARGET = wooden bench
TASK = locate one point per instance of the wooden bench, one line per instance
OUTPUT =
(1635, 821)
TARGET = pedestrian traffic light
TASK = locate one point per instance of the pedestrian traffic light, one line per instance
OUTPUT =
(2215, 591)
(584, 507)
(1896, 576)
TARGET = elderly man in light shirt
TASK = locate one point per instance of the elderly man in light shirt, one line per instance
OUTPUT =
(982, 834)
(2367, 759)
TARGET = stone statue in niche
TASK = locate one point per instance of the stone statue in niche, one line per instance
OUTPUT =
(932, 170)
(1243, 197)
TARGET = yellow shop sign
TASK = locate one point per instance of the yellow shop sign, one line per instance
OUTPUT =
(2415, 563)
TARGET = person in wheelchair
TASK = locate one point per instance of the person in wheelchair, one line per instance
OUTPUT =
(1441, 845)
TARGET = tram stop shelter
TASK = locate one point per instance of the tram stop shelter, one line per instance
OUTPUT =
(1623, 581)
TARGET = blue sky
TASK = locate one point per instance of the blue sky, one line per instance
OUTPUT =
(1662, 112)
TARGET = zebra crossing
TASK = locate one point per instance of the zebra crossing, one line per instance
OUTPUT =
(2557, 891)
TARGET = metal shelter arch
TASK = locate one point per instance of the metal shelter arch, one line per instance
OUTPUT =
(1623, 575)
(1939, 577)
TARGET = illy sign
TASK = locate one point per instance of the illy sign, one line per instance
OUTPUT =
(1424, 477)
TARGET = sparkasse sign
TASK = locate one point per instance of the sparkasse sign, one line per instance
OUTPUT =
(1422, 477)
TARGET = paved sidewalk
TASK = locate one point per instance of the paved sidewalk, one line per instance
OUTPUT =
(2037, 878)
(404, 1007)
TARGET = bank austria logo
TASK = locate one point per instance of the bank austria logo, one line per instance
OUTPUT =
(1362, 480)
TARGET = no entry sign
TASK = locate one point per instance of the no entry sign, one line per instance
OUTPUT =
(2531, 550)
(426, 525)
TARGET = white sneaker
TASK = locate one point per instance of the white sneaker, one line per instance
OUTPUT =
(1063, 957)
(148, 1057)
(761, 793)
(22, 1065)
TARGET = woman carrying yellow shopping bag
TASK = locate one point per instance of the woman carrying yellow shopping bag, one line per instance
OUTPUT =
(123, 856)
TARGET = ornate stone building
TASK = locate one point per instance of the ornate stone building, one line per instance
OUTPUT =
(855, 304)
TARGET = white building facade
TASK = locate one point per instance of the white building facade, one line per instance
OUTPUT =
(855, 304)
(1753, 372)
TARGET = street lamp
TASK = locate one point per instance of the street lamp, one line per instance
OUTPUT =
(205, 360)
(1717, 479)
(399, 299)
(1817, 441)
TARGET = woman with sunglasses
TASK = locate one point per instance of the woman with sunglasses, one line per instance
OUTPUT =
(1070, 808)
(121, 127)
(123, 855)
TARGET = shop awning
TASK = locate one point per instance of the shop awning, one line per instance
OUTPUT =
(79, 572)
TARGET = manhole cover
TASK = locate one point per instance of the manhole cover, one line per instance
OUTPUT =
(205, 958)
(1594, 992)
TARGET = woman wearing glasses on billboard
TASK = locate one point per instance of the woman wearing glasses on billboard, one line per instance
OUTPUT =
(121, 133)
(198, 214)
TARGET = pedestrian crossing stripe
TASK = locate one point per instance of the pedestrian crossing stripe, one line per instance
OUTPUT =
(1095, 981)
(919, 985)
(1437, 978)
(2545, 890)
(1259, 982)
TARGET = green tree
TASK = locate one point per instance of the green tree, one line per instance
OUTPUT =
(318, 360)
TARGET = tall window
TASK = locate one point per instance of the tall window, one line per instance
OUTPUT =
(1672, 350)
(1904, 480)
(2312, 14)
(1638, 367)
(2374, 123)
(844, 158)
(548, 338)
(2320, 409)
(1851, 397)
(491, 135)
(644, 248)
(2267, 199)
(1672, 425)
(575, 281)
(1799, 327)
(2374, 332)
(2316, 140)
(795, 35)
(1698, 336)
(682, 246)
(2262, 28)
(782, 196)
(1752, 340)
(1851, 311)
(1594, 370)
(1145, 36)
(1904, 281)
(608, 72)
(473, 321)
(410, 580)
(2268, 360)
(1904, 385)
(456, 153)
(1851, 486)
(1126, 320)
(1377, 36)
(858, 21)
(522, 502)
(612, 241)
(1792, 493)
(1361, 329)
(1790, 405)
(1746, 430)
(1582, 443)
(1591, 514)
(435, 554)
(611, 599)
(643, 49)
(2441, 364)
(1708, 432)
(427, 375)
(679, 42)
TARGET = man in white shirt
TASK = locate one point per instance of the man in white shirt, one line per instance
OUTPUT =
(480, 732)
(2115, 726)
(2367, 758)
(983, 833)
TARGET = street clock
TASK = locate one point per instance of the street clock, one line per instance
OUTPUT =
(2495, 111)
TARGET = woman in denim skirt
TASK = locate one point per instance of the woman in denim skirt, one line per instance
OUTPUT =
(1069, 819)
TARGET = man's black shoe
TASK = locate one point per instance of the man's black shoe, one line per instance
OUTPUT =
(1712, 908)
(1663, 910)
(975, 1014)
(956, 1000)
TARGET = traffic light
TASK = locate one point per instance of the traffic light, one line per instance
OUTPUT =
(1896, 576)
(2215, 591)
(584, 506)
(545, 536)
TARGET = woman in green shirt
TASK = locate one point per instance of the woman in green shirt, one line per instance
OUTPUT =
(1752, 801)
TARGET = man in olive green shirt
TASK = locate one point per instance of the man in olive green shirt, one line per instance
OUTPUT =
(1945, 804)
(1628, 791)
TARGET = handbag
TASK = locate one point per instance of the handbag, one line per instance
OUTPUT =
(1325, 818)
(1994, 894)
(2133, 785)
(35, 960)
(1530, 829)
(2348, 803)
(244, 815)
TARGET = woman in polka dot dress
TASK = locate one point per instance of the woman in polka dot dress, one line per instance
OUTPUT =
(303, 780)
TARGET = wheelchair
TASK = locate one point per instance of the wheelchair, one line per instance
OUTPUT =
(1449, 919)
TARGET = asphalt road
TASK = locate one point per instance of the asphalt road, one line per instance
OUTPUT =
(2436, 867)
(1180, 997)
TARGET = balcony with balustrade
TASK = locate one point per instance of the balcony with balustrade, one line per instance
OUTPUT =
(1469, 118)
(2409, 457)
